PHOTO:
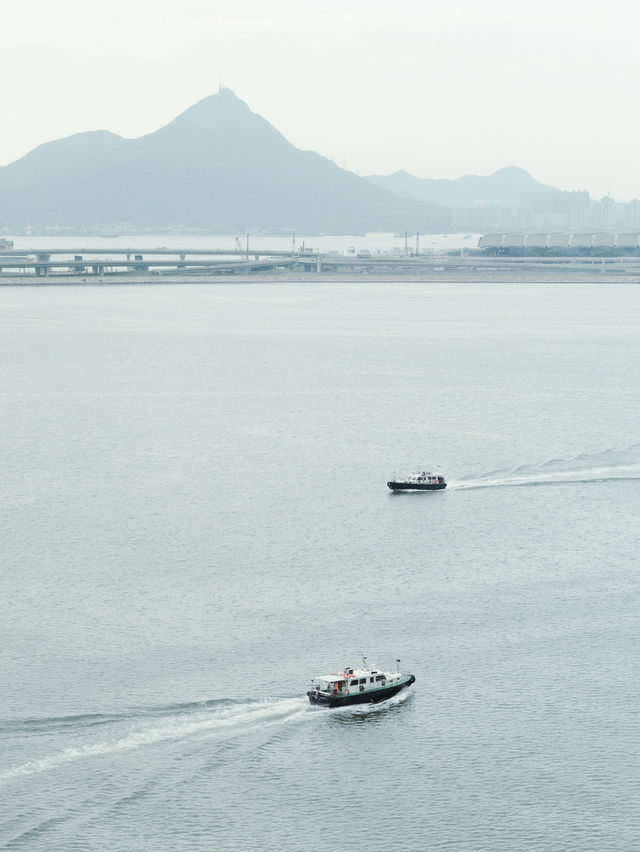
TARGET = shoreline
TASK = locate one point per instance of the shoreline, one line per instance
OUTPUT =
(453, 276)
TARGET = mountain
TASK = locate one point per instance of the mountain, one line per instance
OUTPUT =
(217, 166)
(502, 187)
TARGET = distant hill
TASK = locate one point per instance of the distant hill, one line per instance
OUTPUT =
(502, 187)
(217, 166)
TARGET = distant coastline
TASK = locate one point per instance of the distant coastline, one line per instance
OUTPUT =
(448, 276)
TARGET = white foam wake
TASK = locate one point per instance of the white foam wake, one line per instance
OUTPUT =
(231, 721)
(609, 465)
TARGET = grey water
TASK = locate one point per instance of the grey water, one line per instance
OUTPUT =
(195, 521)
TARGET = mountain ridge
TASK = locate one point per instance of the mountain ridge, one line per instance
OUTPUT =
(217, 165)
(501, 187)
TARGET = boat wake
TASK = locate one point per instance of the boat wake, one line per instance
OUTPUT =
(610, 465)
(147, 727)
(95, 735)
(392, 703)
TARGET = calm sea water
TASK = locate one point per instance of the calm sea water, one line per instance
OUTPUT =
(195, 522)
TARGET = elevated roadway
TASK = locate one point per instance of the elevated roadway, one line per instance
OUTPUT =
(90, 261)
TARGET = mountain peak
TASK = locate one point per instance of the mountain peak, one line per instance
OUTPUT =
(511, 172)
(216, 114)
(226, 92)
(224, 101)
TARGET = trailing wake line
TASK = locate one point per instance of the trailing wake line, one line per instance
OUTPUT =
(235, 720)
(610, 465)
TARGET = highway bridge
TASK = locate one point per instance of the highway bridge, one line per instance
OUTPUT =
(98, 261)
(90, 261)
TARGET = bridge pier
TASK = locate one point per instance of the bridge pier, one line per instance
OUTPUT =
(44, 257)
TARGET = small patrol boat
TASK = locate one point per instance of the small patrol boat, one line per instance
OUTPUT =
(357, 686)
(423, 480)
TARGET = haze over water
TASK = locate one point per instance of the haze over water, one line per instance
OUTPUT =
(195, 521)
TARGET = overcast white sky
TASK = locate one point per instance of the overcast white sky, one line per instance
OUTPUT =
(440, 90)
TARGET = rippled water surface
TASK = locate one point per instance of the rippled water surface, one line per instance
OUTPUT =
(195, 521)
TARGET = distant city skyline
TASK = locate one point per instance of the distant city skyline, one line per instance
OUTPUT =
(439, 91)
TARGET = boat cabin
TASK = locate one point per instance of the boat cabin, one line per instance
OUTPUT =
(353, 681)
(425, 476)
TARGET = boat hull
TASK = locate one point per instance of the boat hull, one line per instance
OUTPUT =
(417, 486)
(374, 697)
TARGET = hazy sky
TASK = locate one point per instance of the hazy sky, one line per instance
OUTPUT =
(440, 90)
